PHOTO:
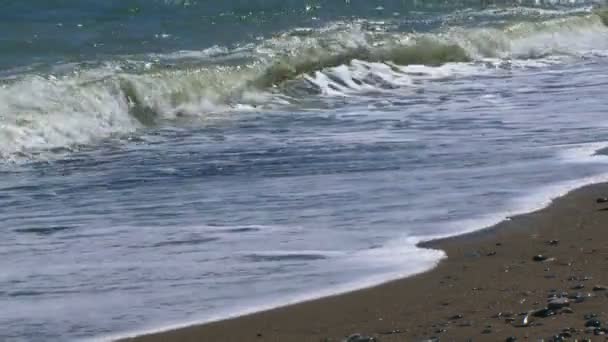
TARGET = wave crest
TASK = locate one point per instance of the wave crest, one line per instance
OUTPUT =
(43, 113)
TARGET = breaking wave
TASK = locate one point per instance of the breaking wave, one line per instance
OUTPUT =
(58, 110)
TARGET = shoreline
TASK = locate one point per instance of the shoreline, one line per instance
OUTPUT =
(494, 266)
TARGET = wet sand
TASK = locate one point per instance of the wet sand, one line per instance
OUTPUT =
(483, 291)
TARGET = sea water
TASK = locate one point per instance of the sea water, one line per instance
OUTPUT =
(164, 163)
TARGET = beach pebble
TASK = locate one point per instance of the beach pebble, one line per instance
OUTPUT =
(553, 242)
(486, 331)
(577, 297)
(511, 339)
(601, 200)
(567, 310)
(578, 287)
(455, 317)
(558, 303)
(360, 338)
(593, 323)
(540, 257)
(544, 313)
(600, 288)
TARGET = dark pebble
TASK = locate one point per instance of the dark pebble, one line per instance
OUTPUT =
(511, 339)
(491, 253)
(567, 311)
(486, 331)
(600, 288)
(259, 335)
(578, 287)
(540, 257)
(459, 316)
(544, 313)
(360, 338)
(593, 323)
(553, 242)
(601, 200)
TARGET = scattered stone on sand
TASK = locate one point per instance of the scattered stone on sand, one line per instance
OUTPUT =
(486, 331)
(540, 257)
(558, 303)
(457, 316)
(600, 288)
(492, 253)
(578, 287)
(553, 242)
(511, 339)
(601, 200)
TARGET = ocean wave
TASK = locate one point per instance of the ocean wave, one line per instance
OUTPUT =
(42, 113)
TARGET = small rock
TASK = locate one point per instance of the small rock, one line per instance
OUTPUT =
(567, 311)
(511, 339)
(553, 242)
(360, 338)
(391, 332)
(491, 253)
(600, 288)
(540, 257)
(577, 297)
(486, 331)
(601, 200)
(455, 317)
(544, 313)
(593, 323)
(578, 287)
(259, 335)
(558, 303)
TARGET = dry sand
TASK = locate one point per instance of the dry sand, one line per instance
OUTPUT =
(482, 292)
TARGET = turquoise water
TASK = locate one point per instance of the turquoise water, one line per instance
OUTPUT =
(172, 162)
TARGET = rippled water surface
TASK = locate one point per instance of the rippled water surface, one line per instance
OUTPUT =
(165, 177)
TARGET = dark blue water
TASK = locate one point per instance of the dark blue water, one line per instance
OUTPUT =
(172, 162)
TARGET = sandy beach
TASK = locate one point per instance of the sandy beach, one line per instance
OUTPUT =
(535, 276)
